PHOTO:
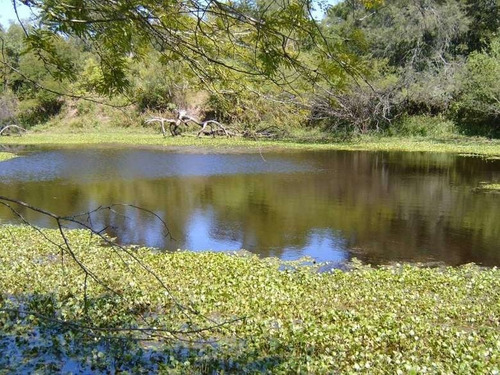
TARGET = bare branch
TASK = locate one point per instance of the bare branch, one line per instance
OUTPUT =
(20, 130)
(79, 220)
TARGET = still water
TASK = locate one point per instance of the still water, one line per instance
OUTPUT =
(379, 207)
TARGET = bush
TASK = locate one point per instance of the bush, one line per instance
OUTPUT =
(477, 109)
(431, 92)
(159, 85)
(255, 108)
(423, 125)
(38, 110)
(82, 115)
(360, 110)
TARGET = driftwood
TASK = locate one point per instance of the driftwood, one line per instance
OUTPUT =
(216, 128)
(7, 129)
(174, 124)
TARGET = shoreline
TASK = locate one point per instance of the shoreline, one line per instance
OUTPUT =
(461, 145)
(6, 156)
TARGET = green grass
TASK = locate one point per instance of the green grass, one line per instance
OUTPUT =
(6, 156)
(397, 319)
(465, 145)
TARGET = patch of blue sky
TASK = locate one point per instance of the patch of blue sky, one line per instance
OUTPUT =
(8, 13)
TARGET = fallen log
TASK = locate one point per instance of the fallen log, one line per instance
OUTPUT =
(183, 118)
(173, 124)
(213, 132)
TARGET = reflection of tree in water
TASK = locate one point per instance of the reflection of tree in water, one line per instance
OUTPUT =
(383, 206)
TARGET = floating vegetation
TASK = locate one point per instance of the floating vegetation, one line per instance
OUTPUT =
(235, 314)
(460, 145)
(488, 187)
(6, 156)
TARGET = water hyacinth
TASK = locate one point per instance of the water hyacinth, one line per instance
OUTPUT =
(223, 313)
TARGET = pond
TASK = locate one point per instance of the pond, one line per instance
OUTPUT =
(379, 207)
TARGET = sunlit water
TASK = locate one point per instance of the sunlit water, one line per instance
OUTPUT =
(379, 207)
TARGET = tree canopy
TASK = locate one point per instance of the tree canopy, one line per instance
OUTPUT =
(366, 66)
(253, 38)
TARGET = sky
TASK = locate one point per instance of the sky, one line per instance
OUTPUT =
(7, 13)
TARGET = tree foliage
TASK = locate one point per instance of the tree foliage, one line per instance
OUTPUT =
(366, 66)
(200, 33)
(478, 104)
(420, 52)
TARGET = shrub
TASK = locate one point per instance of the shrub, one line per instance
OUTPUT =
(423, 125)
(38, 110)
(360, 110)
(477, 109)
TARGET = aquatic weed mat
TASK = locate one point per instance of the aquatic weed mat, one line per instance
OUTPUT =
(371, 320)
(464, 145)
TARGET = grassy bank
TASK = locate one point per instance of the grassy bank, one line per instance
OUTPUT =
(466, 145)
(6, 156)
(399, 319)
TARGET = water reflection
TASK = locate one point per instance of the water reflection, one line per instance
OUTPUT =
(379, 207)
(319, 244)
(202, 232)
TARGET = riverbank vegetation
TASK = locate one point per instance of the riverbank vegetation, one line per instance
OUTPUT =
(6, 156)
(477, 146)
(280, 317)
(428, 69)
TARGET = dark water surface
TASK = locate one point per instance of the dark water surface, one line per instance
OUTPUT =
(379, 207)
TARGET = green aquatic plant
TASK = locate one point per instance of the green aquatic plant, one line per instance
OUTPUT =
(458, 145)
(226, 313)
(488, 187)
(6, 156)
